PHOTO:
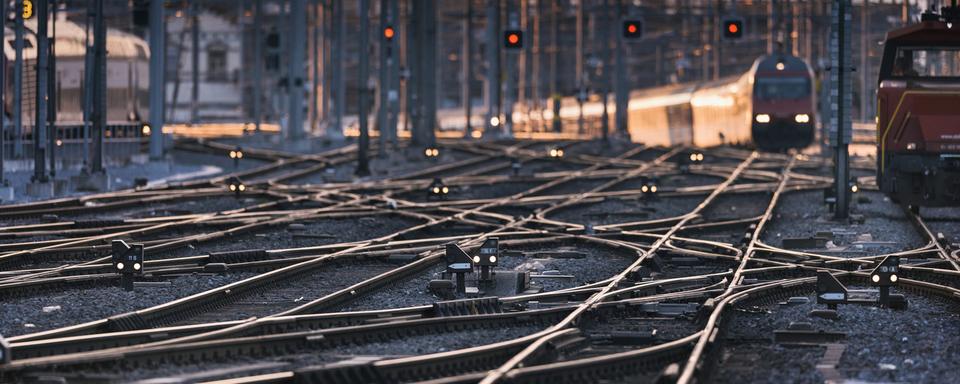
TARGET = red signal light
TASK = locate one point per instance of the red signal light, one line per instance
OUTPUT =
(733, 28)
(388, 33)
(513, 39)
(632, 29)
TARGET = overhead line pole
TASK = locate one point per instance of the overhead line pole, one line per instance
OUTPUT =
(363, 166)
(99, 85)
(40, 111)
(195, 61)
(18, 82)
(467, 67)
(296, 72)
(157, 83)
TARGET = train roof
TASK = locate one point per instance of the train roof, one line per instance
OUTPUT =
(70, 41)
(926, 32)
(768, 63)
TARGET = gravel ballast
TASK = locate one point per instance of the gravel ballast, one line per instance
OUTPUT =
(919, 344)
(80, 306)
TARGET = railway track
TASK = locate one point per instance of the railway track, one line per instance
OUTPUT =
(686, 262)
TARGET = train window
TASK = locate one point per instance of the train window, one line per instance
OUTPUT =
(782, 88)
(927, 62)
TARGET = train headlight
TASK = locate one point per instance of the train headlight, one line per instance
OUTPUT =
(763, 118)
(802, 118)
(780, 66)
(495, 121)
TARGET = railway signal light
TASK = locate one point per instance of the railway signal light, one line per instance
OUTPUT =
(431, 152)
(127, 261)
(648, 186)
(236, 185)
(513, 39)
(884, 276)
(632, 29)
(556, 152)
(854, 186)
(437, 189)
(236, 155)
(487, 257)
(389, 33)
(696, 157)
(733, 28)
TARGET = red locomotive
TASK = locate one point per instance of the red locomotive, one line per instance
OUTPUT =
(918, 113)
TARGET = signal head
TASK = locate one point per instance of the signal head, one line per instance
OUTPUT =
(733, 28)
(513, 39)
(632, 29)
(389, 32)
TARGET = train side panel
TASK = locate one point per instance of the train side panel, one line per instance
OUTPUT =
(721, 113)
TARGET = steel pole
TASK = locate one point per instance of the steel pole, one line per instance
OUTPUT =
(257, 64)
(296, 71)
(493, 66)
(363, 166)
(157, 83)
(621, 90)
(339, 26)
(466, 64)
(18, 82)
(3, 100)
(581, 90)
(383, 82)
(99, 85)
(195, 61)
(40, 112)
(51, 97)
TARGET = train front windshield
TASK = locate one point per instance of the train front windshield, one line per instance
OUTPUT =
(926, 62)
(781, 88)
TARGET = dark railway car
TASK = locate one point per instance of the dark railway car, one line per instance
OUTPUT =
(918, 114)
(783, 103)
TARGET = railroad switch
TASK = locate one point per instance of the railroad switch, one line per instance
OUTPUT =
(127, 261)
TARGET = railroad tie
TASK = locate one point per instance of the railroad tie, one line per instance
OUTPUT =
(827, 366)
